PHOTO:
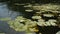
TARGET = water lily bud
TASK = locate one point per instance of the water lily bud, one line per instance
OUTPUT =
(52, 20)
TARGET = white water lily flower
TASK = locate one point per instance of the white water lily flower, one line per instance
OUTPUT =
(28, 10)
(40, 33)
(31, 29)
(52, 20)
(36, 17)
(53, 24)
(48, 15)
(47, 23)
(38, 12)
(20, 19)
(28, 5)
(59, 15)
(55, 11)
(31, 23)
(41, 23)
(36, 7)
(58, 32)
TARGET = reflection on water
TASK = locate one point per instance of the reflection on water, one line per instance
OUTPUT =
(5, 12)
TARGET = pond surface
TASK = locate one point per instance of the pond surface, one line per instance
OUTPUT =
(5, 12)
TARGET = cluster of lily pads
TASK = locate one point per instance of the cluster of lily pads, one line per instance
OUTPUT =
(49, 11)
(23, 24)
(28, 25)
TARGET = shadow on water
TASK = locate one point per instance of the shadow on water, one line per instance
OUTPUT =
(49, 29)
